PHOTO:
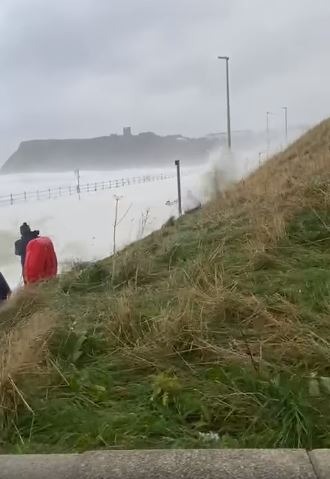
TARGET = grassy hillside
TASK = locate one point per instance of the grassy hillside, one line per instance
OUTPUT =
(217, 324)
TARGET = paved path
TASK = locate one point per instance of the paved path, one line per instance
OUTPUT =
(171, 464)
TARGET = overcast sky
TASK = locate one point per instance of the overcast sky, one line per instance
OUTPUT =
(82, 68)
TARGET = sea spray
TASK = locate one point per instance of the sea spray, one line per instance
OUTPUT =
(223, 171)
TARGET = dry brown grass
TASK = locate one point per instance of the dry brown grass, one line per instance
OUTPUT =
(289, 182)
(23, 346)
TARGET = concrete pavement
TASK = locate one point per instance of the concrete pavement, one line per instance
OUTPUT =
(171, 464)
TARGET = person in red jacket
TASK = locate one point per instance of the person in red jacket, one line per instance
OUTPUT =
(40, 261)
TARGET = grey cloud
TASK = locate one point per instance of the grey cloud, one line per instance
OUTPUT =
(86, 67)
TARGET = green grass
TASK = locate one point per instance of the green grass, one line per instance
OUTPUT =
(211, 325)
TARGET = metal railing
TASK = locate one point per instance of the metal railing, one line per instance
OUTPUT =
(70, 190)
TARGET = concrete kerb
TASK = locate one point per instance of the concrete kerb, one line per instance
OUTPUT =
(171, 464)
(320, 459)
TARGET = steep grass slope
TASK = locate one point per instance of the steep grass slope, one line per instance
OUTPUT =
(212, 332)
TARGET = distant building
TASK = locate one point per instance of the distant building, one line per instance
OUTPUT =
(127, 131)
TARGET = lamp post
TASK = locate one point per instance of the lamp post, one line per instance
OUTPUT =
(228, 100)
(285, 109)
(268, 113)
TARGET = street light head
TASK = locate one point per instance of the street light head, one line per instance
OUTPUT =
(223, 58)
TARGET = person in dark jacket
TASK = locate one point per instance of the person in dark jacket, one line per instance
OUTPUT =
(26, 236)
(5, 291)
